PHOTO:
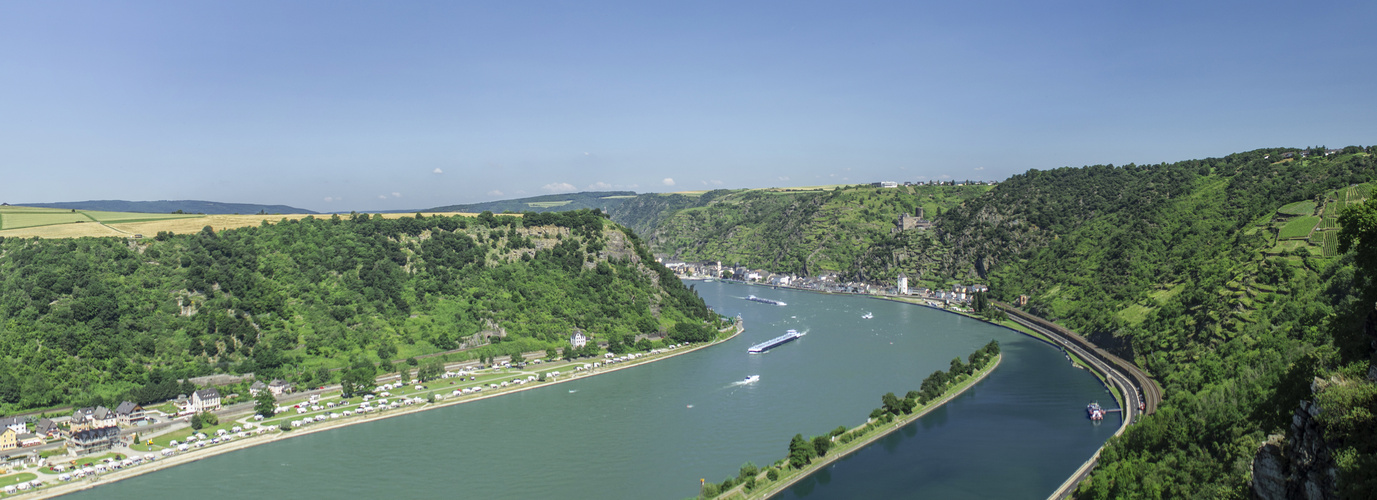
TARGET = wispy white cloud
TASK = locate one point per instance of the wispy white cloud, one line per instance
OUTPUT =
(944, 176)
(396, 194)
(438, 171)
(495, 192)
(559, 187)
(669, 181)
(599, 185)
(382, 197)
(783, 177)
(329, 198)
(979, 168)
(713, 182)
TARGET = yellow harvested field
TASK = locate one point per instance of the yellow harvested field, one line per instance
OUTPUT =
(184, 224)
(75, 230)
(223, 222)
(130, 216)
(193, 225)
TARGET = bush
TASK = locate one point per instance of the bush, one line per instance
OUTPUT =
(821, 444)
(772, 474)
(209, 418)
(709, 490)
(284, 425)
(748, 469)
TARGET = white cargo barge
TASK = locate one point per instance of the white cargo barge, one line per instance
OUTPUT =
(766, 301)
(774, 342)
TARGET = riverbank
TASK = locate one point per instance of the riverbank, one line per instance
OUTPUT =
(274, 435)
(843, 450)
(1076, 361)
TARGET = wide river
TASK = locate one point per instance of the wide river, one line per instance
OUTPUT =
(653, 431)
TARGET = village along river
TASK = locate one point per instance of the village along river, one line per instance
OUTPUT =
(652, 431)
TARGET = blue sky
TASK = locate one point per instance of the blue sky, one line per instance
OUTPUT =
(338, 106)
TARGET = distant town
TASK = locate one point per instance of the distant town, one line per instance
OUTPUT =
(956, 297)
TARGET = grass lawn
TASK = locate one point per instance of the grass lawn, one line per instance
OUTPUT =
(1306, 207)
(163, 440)
(93, 460)
(548, 204)
(17, 478)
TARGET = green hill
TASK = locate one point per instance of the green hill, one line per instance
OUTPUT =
(849, 230)
(1186, 269)
(96, 320)
(1222, 277)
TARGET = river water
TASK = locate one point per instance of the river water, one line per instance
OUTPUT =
(653, 431)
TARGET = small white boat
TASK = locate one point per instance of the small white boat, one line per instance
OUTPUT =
(868, 316)
(750, 379)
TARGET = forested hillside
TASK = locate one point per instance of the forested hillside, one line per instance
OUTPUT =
(1229, 279)
(94, 320)
(848, 230)
(1219, 276)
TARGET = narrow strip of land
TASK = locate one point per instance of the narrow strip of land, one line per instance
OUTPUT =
(847, 449)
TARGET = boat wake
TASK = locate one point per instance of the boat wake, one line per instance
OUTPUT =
(749, 380)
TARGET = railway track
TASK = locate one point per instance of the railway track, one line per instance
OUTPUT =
(1140, 380)
(1134, 383)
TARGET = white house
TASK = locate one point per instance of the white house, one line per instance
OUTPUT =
(279, 386)
(903, 284)
(205, 400)
(128, 413)
(578, 339)
(19, 424)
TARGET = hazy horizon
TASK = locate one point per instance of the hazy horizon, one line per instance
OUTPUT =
(338, 107)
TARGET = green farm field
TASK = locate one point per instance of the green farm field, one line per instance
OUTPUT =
(1306, 207)
(1299, 227)
(30, 217)
(33, 218)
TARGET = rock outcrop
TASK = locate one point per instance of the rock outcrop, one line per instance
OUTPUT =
(1299, 465)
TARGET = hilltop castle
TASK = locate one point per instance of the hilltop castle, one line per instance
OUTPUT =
(907, 222)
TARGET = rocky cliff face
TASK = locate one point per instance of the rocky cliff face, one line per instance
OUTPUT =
(1299, 465)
